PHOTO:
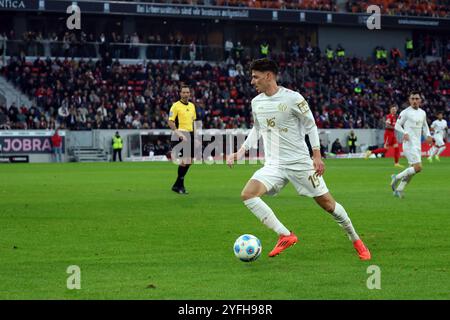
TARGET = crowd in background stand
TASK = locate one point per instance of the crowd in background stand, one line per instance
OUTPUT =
(171, 46)
(429, 8)
(321, 5)
(343, 92)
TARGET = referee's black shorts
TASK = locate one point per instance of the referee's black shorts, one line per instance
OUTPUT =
(184, 149)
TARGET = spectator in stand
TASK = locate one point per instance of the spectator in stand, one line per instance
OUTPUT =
(351, 140)
(340, 52)
(323, 150)
(134, 40)
(431, 8)
(228, 47)
(63, 112)
(3, 118)
(396, 54)
(409, 48)
(103, 44)
(336, 147)
(192, 51)
(117, 144)
(56, 141)
(264, 49)
(238, 52)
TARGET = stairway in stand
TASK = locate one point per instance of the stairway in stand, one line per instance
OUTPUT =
(87, 154)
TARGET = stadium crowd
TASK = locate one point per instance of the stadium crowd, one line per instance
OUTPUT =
(433, 8)
(174, 45)
(321, 5)
(430, 8)
(87, 94)
(80, 44)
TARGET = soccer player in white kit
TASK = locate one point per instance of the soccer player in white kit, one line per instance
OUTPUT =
(282, 118)
(412, 122)
(439, 128)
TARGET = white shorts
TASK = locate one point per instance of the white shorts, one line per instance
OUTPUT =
(439, 140)
(413, 155)
(307, 183)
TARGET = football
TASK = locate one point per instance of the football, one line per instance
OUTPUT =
(247, 248)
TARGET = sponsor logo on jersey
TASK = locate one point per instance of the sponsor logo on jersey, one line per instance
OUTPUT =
(282, 107)
(303, 106)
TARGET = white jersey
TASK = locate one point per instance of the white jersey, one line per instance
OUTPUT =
(413, 122)
(283, 120)
(439, 127)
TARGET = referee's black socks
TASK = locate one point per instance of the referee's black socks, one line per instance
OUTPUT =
(182, 170)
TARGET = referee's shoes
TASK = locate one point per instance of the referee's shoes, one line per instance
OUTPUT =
(179, 190)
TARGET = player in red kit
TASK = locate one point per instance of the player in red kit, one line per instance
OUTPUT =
(390, 141)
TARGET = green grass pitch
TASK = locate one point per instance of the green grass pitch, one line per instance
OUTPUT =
(133, 238)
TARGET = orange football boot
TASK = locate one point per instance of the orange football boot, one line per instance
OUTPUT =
(363, 252)
(283, 243)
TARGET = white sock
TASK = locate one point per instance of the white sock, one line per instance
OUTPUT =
(341, 217)
(441, 149)
(401, 186)
(432, 151)
(263, 212)
(406, 173)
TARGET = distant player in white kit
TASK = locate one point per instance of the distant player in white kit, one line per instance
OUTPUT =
(282, 118)
(439, 129)
(412, 122)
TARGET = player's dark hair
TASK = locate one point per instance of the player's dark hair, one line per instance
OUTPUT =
(414, 92)
(184, 86)
(264, 65)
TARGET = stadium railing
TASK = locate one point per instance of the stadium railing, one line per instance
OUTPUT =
(49, 48)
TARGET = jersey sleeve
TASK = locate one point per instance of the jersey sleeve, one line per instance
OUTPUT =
(301, 110)
(252, 139)
(433, 125)
(173, 113)
(388, 121)
(401, 122)
(425, 128)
